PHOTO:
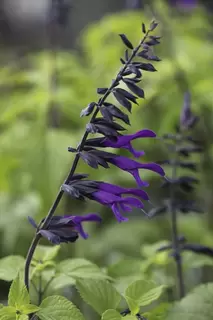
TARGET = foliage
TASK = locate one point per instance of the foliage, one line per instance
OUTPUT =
(117, 273)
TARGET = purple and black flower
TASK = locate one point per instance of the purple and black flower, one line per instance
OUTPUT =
(122, 141)
(120, 200)
(66, 228)
(116, 203)
(94, 157)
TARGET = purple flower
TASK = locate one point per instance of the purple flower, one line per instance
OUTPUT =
(117, 203)
(123, 141)
(66, 228)
(133, 167)
(118, 191)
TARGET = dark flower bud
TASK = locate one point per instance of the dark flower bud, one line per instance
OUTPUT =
(185, 182)
(187, 150)
(66, 228)
(187, 118)
(88, 110)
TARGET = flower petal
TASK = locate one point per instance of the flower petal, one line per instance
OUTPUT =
(133, 202)
(88, 217)
(117, 213)
(137, 177)
(135, 153)
(79, 219)
(153, 167)
(105, 198)
(124, 141)
(117, 190)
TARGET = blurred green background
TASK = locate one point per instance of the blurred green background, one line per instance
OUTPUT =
(43, 89)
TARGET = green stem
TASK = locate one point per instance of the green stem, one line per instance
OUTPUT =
(175, 238)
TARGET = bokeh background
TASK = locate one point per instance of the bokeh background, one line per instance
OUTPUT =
(47, 75)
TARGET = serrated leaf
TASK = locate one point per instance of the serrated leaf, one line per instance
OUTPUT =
(10, 266)
(28, 308)
(142, 293)
(100, 294)
(125, 267)
(80, 269)
(61, 281)
(58, 308)
(8, 313)
(111, 314)
(46, 253)
(18, 294)
(197, 305)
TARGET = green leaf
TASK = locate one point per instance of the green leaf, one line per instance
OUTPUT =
(133, 305)
(28, 308)
(111, 314)
(196, 305)
(130, 317)
(10, 266)
(125, 267)
(100, 294)
(58, 308)
(39, 267)
(18, 294)
(191, 260)
(8, 313)
(46, 253)
(158, 313)
(142, 293)
(80, 269)
(61, 281)
(23, 317)
(1, 306)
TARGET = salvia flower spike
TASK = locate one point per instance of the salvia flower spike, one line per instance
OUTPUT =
(67, 228)
(182, 145)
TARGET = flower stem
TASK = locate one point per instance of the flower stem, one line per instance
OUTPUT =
(52, 210)
(175, 238)
(40, 291)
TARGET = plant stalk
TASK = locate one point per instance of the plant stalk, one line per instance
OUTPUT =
(175, 238)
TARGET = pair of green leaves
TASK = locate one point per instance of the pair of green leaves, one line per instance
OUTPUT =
(53, 307)
(18, 302)
(102, 296)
